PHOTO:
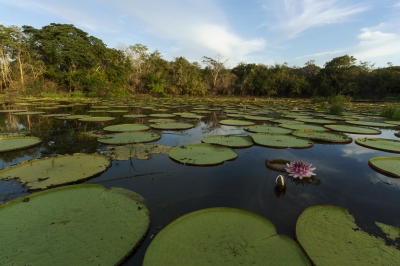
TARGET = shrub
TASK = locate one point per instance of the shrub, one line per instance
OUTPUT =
(391, 112)
(76, 94)
(339, 99)
(318, 99)
(336, 109)
(92, 94)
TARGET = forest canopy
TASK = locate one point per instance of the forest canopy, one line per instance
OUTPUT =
(60, 58)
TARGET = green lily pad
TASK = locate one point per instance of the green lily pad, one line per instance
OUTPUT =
(231, 122)
(172, 126)
(397, 134)
(303, 127)
(354, 129)
(72, 117)
(329, 236)
(162, 115)
(369, 123)
(380, 144)
(126, 127)
(257, 118)
(56, 171)
(392, 232)
(129, 137)
(222, 236)
(96, 119)
(139, 151)
(268, 129)
(12, 111)
(389, 165)
(323, 136)
(202, 154)
(72, 225)
(281, 141)
(117, 111)
(16, 143)
(316, 120)
(229, 141)
(29, 113)
(135, 116)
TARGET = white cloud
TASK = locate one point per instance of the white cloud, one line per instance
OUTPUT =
(298, 16)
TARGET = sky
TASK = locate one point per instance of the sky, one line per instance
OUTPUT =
(249, 31)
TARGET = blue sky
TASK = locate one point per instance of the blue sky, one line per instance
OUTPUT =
(251, 31)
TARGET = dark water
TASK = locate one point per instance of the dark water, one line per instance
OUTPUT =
(172, 189)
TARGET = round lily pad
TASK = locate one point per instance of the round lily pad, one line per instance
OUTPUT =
(162, 115)
(135, 116)
(72, 225)
(229, 140)
(330, 236)
(295, 126)
(369, 123)
(29, 113)
(316, 120)
(397, 134)
(129, 137)
(172, 126)
(392, 232)
(268, 129)
(281, 141)
(72, 117)
(16, 143)
(126, 127)
(323, 136)
(231, 122)
(380, 144)
(389, 165)
(96, 119)
(56, 171)
(354, 129)
(222, 236)
(202, 154)
(257, 118)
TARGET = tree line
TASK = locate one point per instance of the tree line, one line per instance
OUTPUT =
(62, 58)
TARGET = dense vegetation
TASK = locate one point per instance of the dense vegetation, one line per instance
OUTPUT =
(61, 59)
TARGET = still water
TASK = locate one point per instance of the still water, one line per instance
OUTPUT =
(172, 189)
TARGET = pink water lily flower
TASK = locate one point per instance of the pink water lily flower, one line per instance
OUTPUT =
(300, 169)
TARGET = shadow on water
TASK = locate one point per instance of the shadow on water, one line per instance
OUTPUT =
(171, 189)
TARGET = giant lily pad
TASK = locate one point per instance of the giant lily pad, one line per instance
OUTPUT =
(369, 123)
(139, 151)
(329, 236)
(380, 144)
(354, 129)
(202, 154)
(389, 165)
(281, 141)
(126, 127)
(323, 136)
(295, 126)
(268, 129)
(172, 126)
(72, 225)
(222, 236)
(316, 121)
(392, 232)
(56, 171)
(129, 137)
(16, 143)
(231, 122)
(229, 141)
(97, 119)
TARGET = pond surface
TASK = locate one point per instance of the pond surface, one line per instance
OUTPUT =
(172, 189)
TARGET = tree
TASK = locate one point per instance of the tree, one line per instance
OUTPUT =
(214, 66)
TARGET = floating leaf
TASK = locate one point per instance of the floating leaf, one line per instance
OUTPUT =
(316, 121)
(329, 236)
(295, 126)
(139, 151)
(281, 141)
(222, 236)
(389, 165)
(323, 136)
(380, 144)
(96, 119)
(17, 143)
(202, 154)
(72, 225)
(126, 127)
(129, 137)
(354, 129)
(231, 122)
(369, 123)
(55, 171)
(392, 232)
(229, 141)
(172, 126)
(268, 129)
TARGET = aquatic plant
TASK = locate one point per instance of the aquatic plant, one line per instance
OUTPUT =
(300, 169)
